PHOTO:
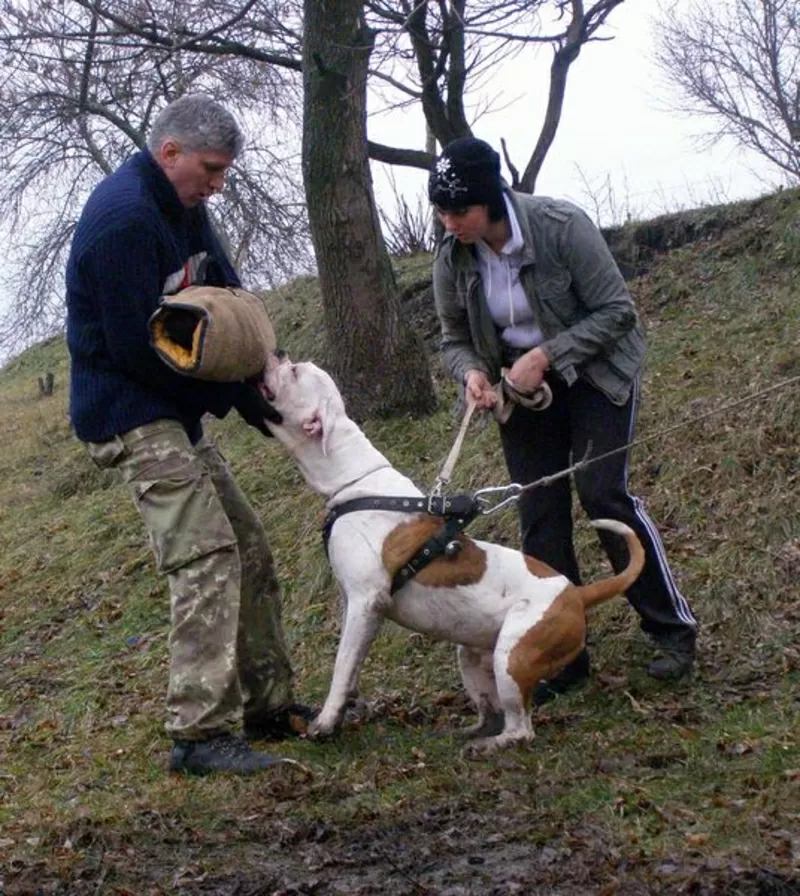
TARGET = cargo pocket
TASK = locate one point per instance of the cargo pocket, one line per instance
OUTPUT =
(185, 519)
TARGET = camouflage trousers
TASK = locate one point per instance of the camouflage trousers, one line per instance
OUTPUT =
(228, 656)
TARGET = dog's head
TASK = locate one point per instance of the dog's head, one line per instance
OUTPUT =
(306, 397)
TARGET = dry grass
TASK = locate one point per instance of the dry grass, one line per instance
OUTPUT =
(638, 778)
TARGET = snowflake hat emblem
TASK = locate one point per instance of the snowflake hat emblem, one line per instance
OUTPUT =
(447, 181)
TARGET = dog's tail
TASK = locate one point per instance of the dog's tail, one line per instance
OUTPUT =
(597, 592)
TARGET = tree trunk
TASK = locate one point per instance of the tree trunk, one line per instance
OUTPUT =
(379, 362)
(559, 70)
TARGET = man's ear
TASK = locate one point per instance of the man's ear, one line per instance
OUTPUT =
(168, 152)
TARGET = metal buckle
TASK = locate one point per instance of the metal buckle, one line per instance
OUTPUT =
(435, 495)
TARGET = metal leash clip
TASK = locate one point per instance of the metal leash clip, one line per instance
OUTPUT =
(507, 494)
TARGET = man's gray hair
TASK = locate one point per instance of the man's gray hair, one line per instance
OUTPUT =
(199, 124)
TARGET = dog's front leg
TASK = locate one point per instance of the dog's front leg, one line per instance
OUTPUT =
(361, 625)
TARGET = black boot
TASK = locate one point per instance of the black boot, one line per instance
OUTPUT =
(676, 654)
(291, 721)
(224, 753)
(571, 676)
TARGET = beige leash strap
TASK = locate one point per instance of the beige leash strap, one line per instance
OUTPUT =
(509, 396)
(447, 470)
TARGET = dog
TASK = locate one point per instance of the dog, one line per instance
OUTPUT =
(515, 620)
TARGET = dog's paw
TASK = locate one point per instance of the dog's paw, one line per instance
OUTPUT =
(479, 748)
(489, 726)
(319, 729)
(483, 747)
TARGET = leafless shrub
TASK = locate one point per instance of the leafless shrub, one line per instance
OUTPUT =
(406, 229)
(737, 62)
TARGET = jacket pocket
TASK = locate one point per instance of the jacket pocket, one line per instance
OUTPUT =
(557, 300)
(627, 355)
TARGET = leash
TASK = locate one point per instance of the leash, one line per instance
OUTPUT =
(510, 494)
(458, 511)
(447, 468)
(508, 395)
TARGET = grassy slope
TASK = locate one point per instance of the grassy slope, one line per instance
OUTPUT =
(705, 775)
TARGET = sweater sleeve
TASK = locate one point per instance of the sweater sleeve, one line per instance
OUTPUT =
(122, 272)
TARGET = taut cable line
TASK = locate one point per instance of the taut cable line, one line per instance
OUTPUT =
(512, 492)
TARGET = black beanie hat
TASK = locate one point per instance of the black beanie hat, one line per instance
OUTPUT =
(466, 173)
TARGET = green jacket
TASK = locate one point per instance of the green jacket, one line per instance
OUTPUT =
(578, 297)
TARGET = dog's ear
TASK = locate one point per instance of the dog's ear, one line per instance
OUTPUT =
(321, 423)
(329, 412)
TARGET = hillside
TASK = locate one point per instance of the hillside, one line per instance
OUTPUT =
(629, 788)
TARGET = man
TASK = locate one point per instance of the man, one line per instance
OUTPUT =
(145, 233)
(528, 283)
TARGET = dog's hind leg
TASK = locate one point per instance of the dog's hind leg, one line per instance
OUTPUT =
(477, 673)
(361, 625)
(512, 699)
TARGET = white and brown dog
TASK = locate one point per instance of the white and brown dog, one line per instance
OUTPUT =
(515, 620)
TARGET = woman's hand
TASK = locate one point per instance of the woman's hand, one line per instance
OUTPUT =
(478, 387)
(528, 371)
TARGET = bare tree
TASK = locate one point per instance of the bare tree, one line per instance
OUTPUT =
(454, 47)
(408, 229)
(425, 51)
(738, 62)
(380, 362)
(78, 95)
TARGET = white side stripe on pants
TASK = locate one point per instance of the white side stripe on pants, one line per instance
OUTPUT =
(678, 601)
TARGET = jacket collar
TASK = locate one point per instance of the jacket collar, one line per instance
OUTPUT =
(467, 256)
(528, 253)
(165, 195)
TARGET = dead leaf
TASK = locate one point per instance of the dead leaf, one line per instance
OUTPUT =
(635, 705)
(695, 840)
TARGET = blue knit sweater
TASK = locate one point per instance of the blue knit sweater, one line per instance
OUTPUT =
(135, 242)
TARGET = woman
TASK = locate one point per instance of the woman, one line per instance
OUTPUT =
(527, 283)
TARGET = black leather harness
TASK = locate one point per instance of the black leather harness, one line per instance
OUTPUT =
(456, 511)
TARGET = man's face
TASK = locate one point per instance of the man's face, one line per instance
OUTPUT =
(195, 175)
(468, 225)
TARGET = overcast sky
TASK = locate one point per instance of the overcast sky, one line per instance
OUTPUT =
(615, 126)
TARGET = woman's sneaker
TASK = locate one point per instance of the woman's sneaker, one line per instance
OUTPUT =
(676, 655)
(570, 677)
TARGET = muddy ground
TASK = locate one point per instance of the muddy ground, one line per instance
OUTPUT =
(452, 850)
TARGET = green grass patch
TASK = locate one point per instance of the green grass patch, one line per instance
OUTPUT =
(631, 778)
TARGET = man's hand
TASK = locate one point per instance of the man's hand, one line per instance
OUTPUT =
(478, 387)
(527, 372)
(254, 409)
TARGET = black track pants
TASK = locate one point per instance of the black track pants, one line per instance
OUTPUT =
(540, 443)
